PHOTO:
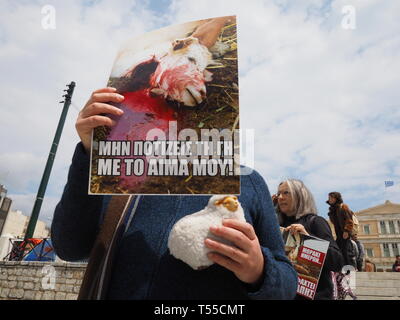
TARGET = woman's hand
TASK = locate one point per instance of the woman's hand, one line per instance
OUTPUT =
(245, 259)
(297, 228)
(92, 114)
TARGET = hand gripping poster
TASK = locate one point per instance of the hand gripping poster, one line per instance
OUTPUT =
(178, 133)
(307, 254)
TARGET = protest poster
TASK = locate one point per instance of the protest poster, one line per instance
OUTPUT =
(179, 130)
(307, 254)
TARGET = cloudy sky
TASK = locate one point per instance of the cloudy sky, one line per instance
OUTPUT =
(319, 85)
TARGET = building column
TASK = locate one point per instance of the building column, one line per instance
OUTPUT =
(396, 226)
(391, 249)
(387, 227)
(382, 251)
(398, 249)
(378, 222)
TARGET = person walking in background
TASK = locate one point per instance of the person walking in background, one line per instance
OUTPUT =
(297, 212)
(361, 253)
(396, 265)
(353, 253)
(341, 217)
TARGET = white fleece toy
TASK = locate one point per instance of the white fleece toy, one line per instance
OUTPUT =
(186, 239)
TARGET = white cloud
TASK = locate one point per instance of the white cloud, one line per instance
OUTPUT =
(20, 169)
(36, 65)
(328, 96)
(393, 193)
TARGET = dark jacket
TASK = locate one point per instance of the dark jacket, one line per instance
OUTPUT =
(352, 253)
(318, 227)
(361, 254)
(143, 268)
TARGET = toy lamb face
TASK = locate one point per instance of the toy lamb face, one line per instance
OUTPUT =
(186, 240)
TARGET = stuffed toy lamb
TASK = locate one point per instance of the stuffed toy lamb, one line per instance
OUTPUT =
(186, 239)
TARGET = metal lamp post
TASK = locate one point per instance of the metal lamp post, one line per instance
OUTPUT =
(46, 174)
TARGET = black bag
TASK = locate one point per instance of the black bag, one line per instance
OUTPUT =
(337, 257)
(334, 256)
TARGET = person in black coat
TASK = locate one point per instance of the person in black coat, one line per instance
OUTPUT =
(341, 217)
(297, 212)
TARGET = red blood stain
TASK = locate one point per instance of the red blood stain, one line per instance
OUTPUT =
(142, 113)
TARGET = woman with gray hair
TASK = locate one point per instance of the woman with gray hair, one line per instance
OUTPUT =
(297, 213)
(294, 200)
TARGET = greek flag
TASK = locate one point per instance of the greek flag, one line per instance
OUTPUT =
(389, 184)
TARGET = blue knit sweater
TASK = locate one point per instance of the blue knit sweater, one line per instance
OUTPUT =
(143, 268)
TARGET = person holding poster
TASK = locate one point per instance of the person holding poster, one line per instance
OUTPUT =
(142, 267)
(180, 77)
(297, 213)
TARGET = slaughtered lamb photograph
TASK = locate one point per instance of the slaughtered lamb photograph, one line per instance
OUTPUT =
(173, 79)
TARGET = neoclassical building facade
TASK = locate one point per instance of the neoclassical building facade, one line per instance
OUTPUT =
(380, 233)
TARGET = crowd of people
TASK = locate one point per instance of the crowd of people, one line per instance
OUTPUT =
(297, 212)
(295, 208)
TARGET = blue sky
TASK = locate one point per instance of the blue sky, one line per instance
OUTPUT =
(323, 100)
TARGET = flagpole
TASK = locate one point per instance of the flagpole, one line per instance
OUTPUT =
(388, 184)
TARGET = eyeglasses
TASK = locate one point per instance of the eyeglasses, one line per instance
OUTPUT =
(283, 194)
